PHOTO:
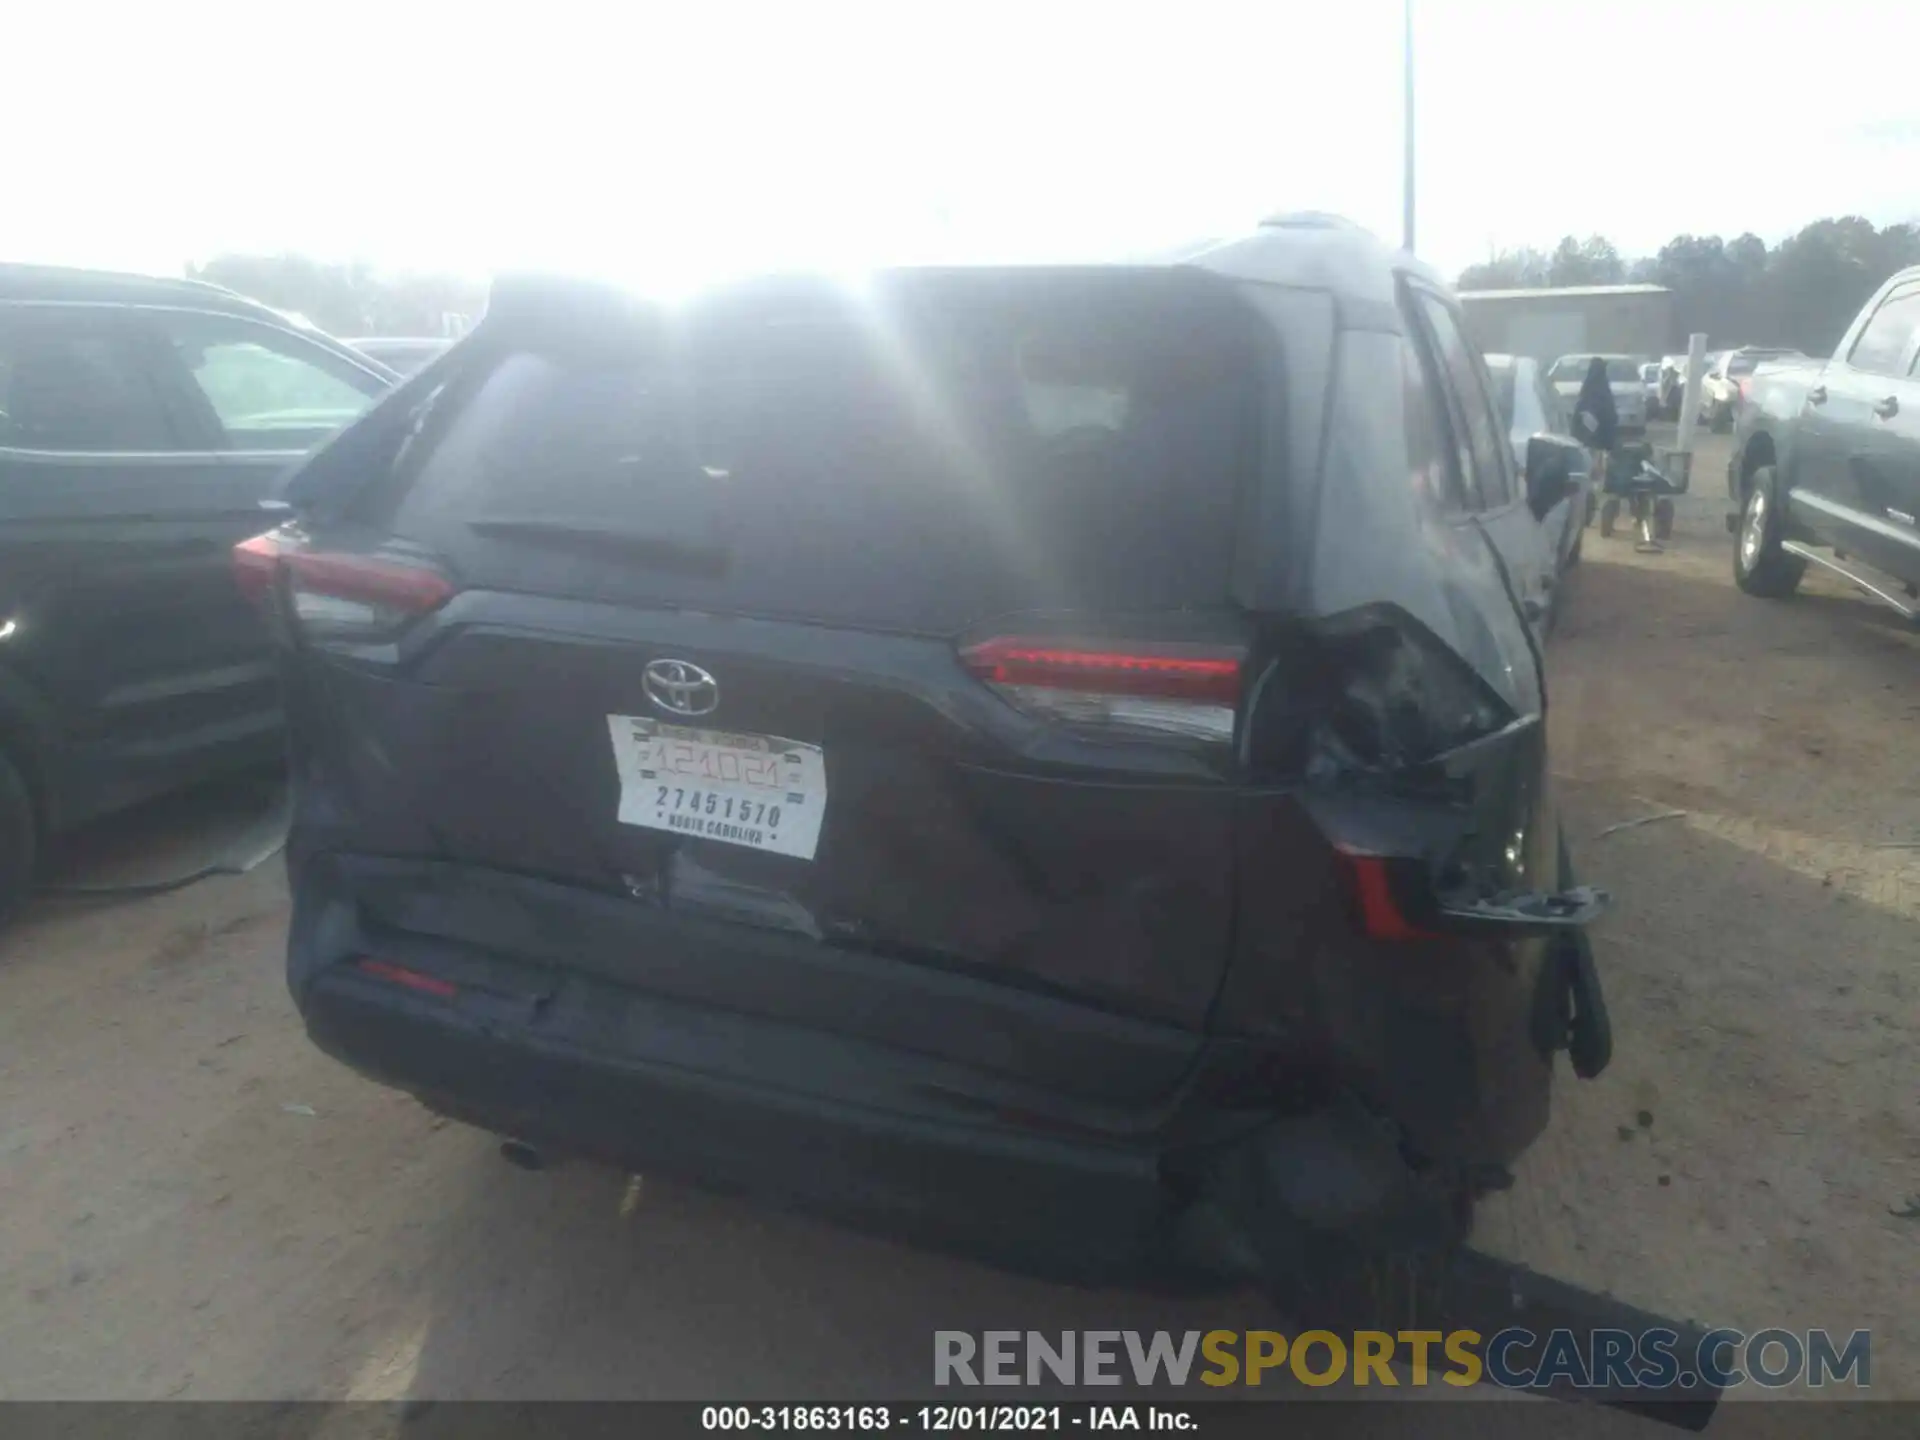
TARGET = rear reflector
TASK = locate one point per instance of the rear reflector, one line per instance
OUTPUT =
(1381, 917)
(1154, 690)
(407, 979)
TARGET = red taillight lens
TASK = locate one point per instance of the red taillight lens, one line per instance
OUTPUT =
(338, 596)
(1156, 690)
(372, 579)
(1171, 672)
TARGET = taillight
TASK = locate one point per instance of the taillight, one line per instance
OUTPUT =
(1394, 695)
(1154, 690)
(338, 596)
(360, 596)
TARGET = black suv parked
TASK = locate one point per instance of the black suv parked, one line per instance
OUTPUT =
(143, 423)
(1044, 760)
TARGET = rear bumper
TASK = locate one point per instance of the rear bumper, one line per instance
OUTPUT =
(924, 1104)
(1065, 1207)
(944, 1109)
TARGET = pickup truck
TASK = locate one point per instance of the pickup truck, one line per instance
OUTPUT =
(1826, 461)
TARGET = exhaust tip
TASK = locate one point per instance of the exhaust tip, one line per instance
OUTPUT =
(522, 1155)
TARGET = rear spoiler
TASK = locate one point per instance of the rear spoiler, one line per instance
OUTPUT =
(538, 312)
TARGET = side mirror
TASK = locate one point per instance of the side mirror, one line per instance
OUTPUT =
(1552, 462)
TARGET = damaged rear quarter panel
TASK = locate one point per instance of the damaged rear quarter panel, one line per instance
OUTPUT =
(1434, 1032)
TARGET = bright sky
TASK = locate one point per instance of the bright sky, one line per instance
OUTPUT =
(666, 142)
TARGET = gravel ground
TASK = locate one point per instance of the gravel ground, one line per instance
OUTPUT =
(197, 1204)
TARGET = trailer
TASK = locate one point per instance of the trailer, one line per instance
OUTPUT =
(1572, 320)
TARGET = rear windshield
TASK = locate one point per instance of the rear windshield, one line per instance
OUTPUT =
(915, 457)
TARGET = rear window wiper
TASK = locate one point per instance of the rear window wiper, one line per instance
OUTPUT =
(663, 551)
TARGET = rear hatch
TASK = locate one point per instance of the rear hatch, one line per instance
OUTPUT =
(892, 618)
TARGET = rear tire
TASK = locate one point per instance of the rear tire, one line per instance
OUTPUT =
(18, 837)
(1663, 520)
(1609, 512)
(1760, 566)
(1722, 419)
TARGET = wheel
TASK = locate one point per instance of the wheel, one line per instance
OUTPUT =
(1722, 419)
(1643, 522)
(1663, 519)
(18, 837)
(1609, 512)
(1760, 566)
(1573, 555)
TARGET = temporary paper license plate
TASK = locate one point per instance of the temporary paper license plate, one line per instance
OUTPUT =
(754, 790)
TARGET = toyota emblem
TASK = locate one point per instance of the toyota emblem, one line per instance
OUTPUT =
(680, 687)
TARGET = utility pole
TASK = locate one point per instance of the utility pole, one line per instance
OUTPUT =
(1406, 66)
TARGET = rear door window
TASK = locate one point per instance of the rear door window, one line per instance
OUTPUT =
(1435, 477)
(1884, 342)
(267, 389)
(1482, 447)
(917, 457)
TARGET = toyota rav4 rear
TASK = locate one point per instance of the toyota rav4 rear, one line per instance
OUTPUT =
(1023, 758)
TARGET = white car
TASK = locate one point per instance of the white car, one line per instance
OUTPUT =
(1723, 390)
(1623, 378)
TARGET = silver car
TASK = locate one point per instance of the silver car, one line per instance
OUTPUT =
(1623, 378)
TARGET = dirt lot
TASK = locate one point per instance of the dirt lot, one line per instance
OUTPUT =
(197, 1204)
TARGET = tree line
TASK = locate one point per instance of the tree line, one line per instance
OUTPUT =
(1802, 292)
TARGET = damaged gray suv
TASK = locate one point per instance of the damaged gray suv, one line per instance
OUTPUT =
(1043, 761)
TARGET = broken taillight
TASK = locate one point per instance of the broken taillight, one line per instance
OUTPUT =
(1150, 690)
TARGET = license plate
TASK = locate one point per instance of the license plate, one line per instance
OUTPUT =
(754, 790)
